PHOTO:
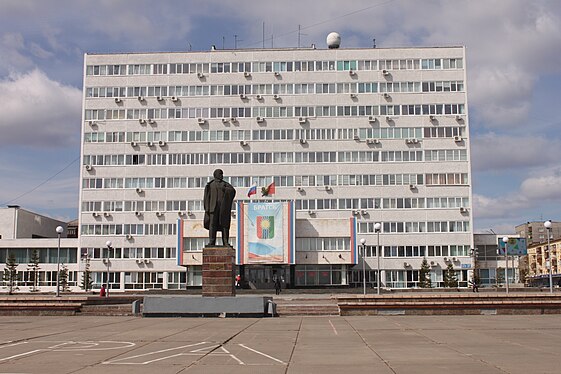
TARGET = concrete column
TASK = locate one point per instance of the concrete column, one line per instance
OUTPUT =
(165, 282)
(122, 280)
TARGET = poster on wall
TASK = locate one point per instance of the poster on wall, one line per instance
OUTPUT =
(516, 247)
(265, 233)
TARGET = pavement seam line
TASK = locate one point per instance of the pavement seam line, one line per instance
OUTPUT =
(294, 346)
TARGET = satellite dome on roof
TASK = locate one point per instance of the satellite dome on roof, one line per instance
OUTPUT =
(333, 40)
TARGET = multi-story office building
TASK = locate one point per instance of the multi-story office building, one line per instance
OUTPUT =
(350, 138)
(535, 231)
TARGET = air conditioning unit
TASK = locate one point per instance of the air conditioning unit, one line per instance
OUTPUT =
(138, 261)
(258, 97)
(300, 189)
(302, 119)
(459, 118)
(352, 72)
(180, 213)
(259, 119)
(389, 118)
(118, 100)
(174, 98)
(353, 96)
(92, 123)
(364, 212)
(277, 74)
(457, 139)
(201, 121)
(412, 187)
(356, 137)
(243, 96)
(372, 119)
(200, 75)
(432, 263)
(303, 141)
(463, 209)
(311, 212)
(406, 265)
(162, 143)
(139, 190)
(151, 121)
(372, 141)
(137, 213)
(141, 98)
(147, 261)
(408, 141)
(243, 143)
(385, 72)
(225, 120)
(150, 144)
(134, 144)
(160, 98)
(247, 74)
(106, 214)
(454, 259)
(432, 118)
(189, 213)
(141, 121)
(95, 214)
(159, 214)
(128, 236)
(386, 95)
(356, 212)
(445, 259)
(233, 119)
(328, 188)
(415, 141)
(276, 97)
(88, 167)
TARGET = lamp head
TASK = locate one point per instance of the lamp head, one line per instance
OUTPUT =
(362, 241)
(547, 224)
(108, 244)
(505, 239)
(59, 230)
(377, 226)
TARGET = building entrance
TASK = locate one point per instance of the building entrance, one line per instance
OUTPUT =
(263, 276)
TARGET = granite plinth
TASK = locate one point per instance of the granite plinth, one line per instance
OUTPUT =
(218, 271)
(196, 306)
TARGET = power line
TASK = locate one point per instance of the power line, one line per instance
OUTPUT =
(319, 23)
(42, 183)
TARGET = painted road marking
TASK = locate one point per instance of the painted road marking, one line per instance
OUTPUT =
(262, 354)
(334, 329)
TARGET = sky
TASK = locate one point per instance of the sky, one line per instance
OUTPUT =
(513, 65)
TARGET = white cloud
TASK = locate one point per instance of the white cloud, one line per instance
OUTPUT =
(546, 187)
(492, 151)
(40, 112)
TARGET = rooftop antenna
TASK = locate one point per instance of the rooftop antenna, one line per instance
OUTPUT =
(374, 43)
(190, 48)
(223, 41)
(272, 40)
(236, 40)
(263, 35)
(300, 34)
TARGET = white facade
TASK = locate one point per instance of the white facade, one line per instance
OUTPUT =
(377, 134)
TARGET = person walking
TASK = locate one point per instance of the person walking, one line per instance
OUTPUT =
(278, 285)
(474, 286)
(102, 292)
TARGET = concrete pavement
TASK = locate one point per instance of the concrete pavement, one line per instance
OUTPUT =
(372, 344)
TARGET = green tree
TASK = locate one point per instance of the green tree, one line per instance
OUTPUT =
(450, 278)
(424, 275)
(33, 268)
(87, 281)
(63, 278)
(500, 277)
(11, 273)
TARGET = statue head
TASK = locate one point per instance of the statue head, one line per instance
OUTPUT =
(218, 174)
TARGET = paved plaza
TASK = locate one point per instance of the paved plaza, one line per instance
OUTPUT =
(375, 344)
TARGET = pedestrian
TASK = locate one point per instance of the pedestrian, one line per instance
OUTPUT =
(278, 285)
(474, 286)
(102, 291)
(238, 278)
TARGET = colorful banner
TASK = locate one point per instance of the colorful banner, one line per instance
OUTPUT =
(515, 247)
(265, 233)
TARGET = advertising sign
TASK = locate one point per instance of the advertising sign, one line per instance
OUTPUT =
(515, 247)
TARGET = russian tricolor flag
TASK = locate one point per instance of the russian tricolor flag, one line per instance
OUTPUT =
(252, 190)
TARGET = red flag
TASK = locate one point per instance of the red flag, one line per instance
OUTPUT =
(271, 188)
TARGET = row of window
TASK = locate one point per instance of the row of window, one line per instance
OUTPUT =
(118, 253)
(415, 227)
(24, 256)
(183, 182)
(275, 157)
(418, 250)
(264, 112)
(274, 89)
(129, 229)
(274, 66)
(363, 133)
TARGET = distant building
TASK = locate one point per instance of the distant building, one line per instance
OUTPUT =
(491, 266)
(539, 256)
(535, 232)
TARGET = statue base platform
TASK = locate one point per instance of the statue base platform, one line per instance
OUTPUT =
(196, 306)
(218, 271)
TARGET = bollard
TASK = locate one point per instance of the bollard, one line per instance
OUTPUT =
(271, 308)
(136, 307)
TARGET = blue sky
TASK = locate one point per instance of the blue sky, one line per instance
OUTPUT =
(513, 61)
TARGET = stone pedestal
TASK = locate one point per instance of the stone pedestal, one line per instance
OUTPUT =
(218, 271)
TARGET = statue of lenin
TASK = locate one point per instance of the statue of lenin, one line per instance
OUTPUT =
(218, 199)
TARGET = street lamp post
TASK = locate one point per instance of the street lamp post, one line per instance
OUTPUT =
(109, 248)
(505, 240)
(377, 228)
(363, 245)
(59, 231)
(547, 225)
